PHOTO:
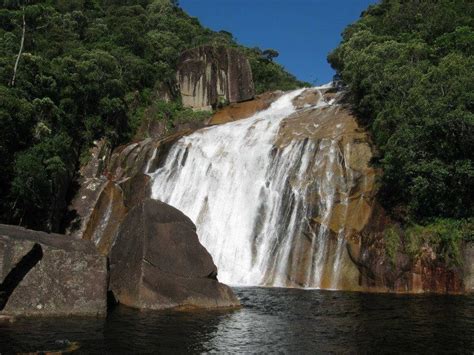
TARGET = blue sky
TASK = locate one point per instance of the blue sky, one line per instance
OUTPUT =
(302, 31)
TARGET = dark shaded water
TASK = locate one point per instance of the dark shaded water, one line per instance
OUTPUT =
(272, 320)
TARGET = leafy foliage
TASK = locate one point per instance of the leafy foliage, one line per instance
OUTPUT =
(409, 69)
(269, 75)
(392, 243)
(88, 69)
(444, 236)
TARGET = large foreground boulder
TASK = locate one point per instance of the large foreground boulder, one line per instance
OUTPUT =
(50, 275)
(157, 262)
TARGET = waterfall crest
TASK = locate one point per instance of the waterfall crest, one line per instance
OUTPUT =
(265, 207)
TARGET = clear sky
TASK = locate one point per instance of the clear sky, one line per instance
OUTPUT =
(302, 31)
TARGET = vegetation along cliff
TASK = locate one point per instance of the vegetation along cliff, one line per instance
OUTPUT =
(364, 184)
(409, 67)
(75, 71)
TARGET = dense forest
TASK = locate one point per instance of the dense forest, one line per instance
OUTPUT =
(409, 67)
(73, 71)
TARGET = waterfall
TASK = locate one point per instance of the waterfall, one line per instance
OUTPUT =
(262, 211)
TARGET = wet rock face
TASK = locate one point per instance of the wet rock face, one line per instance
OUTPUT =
(111, 183)
(468, 267)
(106, 217)
(339, 172)
(403, 273)
(92, 180)
(50, 275)
(114, 183)
(152, 245)
(157, 262)
(208, 76)
(241, 110)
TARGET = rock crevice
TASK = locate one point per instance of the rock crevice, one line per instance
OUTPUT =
(18, 273)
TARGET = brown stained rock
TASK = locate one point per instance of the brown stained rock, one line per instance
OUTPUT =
(312, 96)
(92, 181)
(309, 97)
(50, 275)
(238, 111)
(105, 218)
(331, 122)
(157, 262)
(404, 274)
(106, 194)
(302, 259)
(335, 123)
(162, 147)
(140, 157)
(352, 217)
(115, 200)
(131, 159)
(468, 266)
(150, 128)
(135, 189)
(210, 75)
(353, 180)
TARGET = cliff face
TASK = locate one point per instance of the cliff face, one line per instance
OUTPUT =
(210, 76)
(111, 184)
(156, 260)
(344, 184)
(340, 197)
(404, 272)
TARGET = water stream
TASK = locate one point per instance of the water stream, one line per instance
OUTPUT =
(251, 201)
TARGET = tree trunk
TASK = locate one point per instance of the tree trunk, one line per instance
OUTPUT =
(12, 82)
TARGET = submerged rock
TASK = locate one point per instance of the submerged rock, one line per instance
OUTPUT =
(50, 275)
(157, 262)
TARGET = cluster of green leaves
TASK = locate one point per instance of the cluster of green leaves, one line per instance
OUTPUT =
(442, 236)
(392, 243)
(409, 69)
(269, 75)
(88, 69)
(172, 113)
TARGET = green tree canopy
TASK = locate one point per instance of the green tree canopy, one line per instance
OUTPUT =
(409, 66)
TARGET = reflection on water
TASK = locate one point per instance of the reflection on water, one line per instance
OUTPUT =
(272, 320)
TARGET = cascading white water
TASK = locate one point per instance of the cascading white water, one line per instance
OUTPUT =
(250, 199)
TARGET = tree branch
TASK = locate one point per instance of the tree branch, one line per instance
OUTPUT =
(12, 82)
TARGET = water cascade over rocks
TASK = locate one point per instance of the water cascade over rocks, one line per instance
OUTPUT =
(270, 207)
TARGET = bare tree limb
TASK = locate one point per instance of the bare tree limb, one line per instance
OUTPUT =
(12, 82)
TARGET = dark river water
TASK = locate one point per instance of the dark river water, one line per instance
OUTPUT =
(271, 320)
